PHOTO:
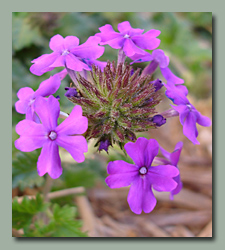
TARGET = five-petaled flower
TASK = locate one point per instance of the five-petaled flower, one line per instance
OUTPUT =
(48, 135)
(26, 95)
(188, 114)
(130, 40)
(158, 59)
(68, 53)
(141, 175)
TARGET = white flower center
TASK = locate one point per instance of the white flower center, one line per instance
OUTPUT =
(52, 135)
(65, 52)
(143, 170)
(189, 106)
(126, 36)
(31, 102)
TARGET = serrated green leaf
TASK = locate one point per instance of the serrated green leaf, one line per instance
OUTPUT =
(22, 213)
(62, 224)
(24, 171)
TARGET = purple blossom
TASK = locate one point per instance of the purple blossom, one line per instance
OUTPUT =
(141, 175)
(67, 53)
(130, 40)
(99, 64)
(104, 145)
(188, 114)
(48, 135)
(157, 84)
(27, 96)
(158, 58)
(159, 120)
(71, 92)
(173, 159)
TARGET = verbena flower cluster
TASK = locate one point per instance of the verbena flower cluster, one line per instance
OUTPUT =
(112, 103)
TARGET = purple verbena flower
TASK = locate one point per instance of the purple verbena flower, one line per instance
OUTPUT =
(141, 175)
(188, 114)
(104, 145)
(48, 135)
(27, 96)
(173, 159)
(67, 53)
(130, 40)
(158, 59)
(159, 120)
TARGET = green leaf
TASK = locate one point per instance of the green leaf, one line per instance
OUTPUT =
(24, 171)
(62, 224)
(23, 34)
(22, 213)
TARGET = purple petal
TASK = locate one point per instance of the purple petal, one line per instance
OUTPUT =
(49, 160)
(165, 153)
(152, 33)
(130, 48)
(90, 49)
(124, 27)
(62, 74)
(107, 33)
(120, 179)
(142, 58)
(121, 167)
(174, 94)
(178, 188)
(75, 145)
(140, 196)
(183, 111)
(49, 86)
(164, 170)
(189, 128)
(117, 42)
(161, 58)
(32, 135)
(136, 150)
(48, 111)
(99, 64)
(169, 76)
(150, 152)
(56, 43)
(59, 61)
(22, 106)
(146, 41)
(42, 63)
(160, 177)
(175, 155)
(25, 93)
(72, 62)
(183, 89)
(74, 124)
(70, 42)
(203, 120)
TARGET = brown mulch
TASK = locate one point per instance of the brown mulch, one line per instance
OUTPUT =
(188, 215)
(105, 212)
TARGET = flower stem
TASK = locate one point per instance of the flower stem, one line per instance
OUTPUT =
(121, 57)
(47, 188)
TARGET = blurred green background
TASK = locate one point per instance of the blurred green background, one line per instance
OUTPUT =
(185, 37)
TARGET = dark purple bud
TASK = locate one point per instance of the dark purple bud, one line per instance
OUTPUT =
(104, 145)
(131, 72)
(58, 97)
(159, 120)
(71, 92)
(157, 84)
